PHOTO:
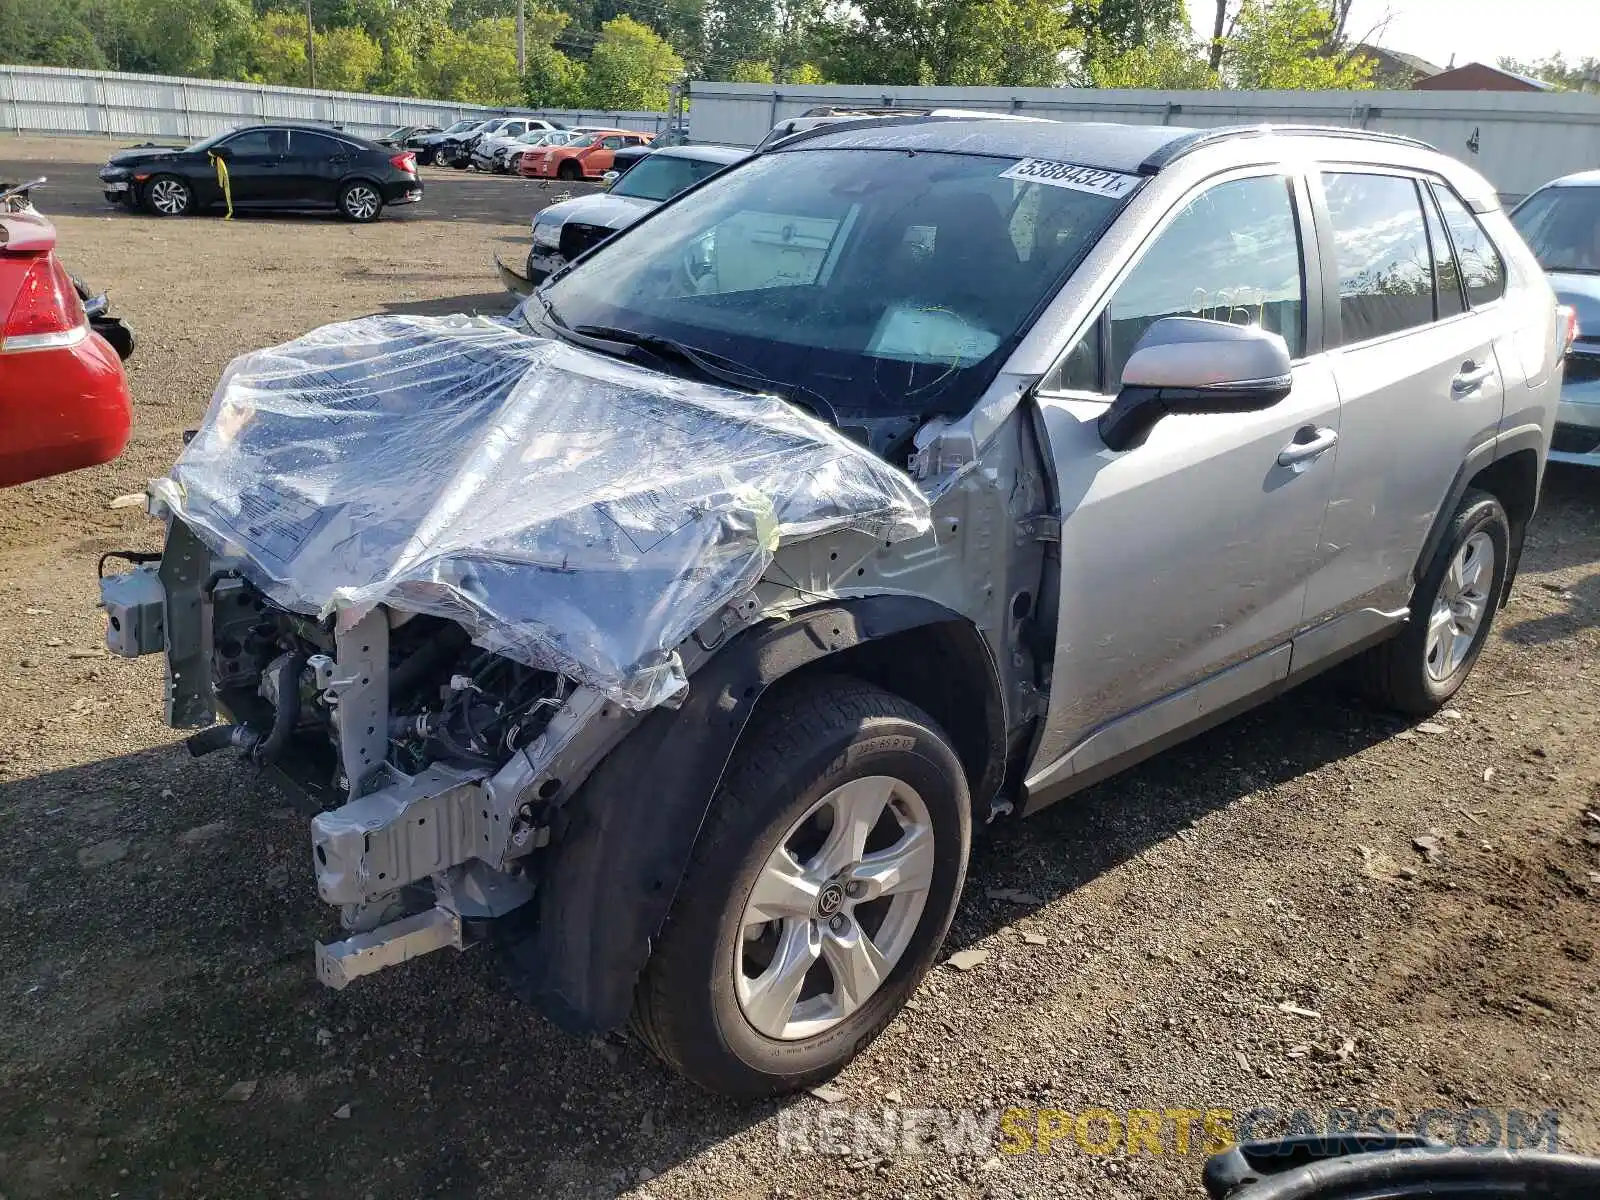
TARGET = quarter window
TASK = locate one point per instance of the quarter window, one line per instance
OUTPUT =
(1385, 265)
(1481, 265)
(1232, 255)
(1446, 275)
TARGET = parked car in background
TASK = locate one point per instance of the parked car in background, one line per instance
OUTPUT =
(64, 400)
(481, 151)
(509, 158)
(1561, 223)
(279, 166)
(587, 157)
(428, 144)
(407, 137)
(456, 149)
(624, 159)
(563, 231)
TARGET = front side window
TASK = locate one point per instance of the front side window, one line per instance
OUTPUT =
(1482, 268)
(1562, 227)
(875, 279)
(1384, 263)
(1232, 254)
(256, 143)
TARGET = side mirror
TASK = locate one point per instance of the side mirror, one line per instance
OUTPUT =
(609, 178)
(1190, 365)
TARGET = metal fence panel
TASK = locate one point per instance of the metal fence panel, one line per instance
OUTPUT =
(1521, 139)
(57, 100)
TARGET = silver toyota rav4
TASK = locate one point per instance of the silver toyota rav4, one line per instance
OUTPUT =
(671, 638)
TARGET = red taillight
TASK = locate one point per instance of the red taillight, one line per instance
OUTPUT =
(405, 161)
(47, 313)
(1569, 326)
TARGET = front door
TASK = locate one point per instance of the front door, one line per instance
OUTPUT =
(1190, 554)
(1418, 375)
(255, 166)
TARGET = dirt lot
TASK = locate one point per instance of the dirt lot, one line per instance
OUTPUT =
(161, 1033)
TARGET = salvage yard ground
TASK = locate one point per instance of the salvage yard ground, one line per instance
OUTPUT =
(1247, 921)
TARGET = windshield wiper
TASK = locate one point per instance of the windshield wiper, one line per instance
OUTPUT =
(711, 366)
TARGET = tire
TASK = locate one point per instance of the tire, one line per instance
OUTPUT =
(570, 171)
(804, 744)
(360, 201)
(461, 161)
(1419, 670)
(169, 196)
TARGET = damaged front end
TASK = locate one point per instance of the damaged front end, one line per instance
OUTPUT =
(432, 571)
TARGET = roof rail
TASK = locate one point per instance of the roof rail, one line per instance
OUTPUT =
(1178, 147)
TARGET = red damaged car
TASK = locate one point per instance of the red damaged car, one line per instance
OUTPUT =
(64, 400)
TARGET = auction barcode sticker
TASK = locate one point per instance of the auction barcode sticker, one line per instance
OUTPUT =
(1071, 175)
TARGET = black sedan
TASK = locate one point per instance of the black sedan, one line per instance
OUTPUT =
(279, 166)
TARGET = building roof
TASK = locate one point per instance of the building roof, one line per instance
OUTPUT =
(1397, 61)
(1483, 73)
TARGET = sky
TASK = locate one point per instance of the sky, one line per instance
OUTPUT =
(1472, 30)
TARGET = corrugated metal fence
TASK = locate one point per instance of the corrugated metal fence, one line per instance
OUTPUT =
(1518, 140)
(55, 100)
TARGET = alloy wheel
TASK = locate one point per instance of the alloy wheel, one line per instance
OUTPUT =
(834, 908)
(361, 202)
(1460, 607)
(169, 196)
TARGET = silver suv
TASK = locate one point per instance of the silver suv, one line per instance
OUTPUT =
(915, 472)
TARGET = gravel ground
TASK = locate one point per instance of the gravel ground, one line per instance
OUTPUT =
(1245, 922)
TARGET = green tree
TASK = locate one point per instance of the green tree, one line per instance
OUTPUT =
(751, 72)
(1288, 44)
(477, 65)
(278, 49)
(553, 80)
(1171, 63)
(347, 59)
(1017, 43)
(631, 67)
(1580, 76)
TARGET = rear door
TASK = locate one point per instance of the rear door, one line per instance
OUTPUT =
(256, 165)
(1419, 380)
(316, 166)
(1188, 555)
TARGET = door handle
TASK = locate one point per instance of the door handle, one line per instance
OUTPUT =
(1471, 378)
(1318, 441)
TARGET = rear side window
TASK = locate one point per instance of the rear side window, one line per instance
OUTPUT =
(1232, 255)
(316, 145)
(1481, 265)
(1385, 266)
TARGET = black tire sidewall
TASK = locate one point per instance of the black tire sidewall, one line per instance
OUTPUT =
(1478, 513)
(569, 172)
(716, 897)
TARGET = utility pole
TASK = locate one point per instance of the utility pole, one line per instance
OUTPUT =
(522, 37)
(311, 46)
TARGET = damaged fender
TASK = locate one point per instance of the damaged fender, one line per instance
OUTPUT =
(608, 880)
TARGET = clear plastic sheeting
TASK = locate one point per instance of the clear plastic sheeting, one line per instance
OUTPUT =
(574, 512)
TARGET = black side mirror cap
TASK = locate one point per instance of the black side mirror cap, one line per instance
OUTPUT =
(1135, 411)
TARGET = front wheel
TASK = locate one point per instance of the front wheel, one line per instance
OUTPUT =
(1452, 611)
(570, 171)
(360, 202)
(168, 196)
(820, 891)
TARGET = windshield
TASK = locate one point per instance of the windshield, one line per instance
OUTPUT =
(879, 281)
(397, 133)
(660, 177)
(585, 140)
(207, 143)
(460, 125)
(1562, 227)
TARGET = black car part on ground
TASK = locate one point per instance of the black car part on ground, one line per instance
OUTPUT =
(1390, 1166)
(98, 309)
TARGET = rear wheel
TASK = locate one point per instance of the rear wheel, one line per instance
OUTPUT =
(819, 893)
(360, 201)
(569, 171)
(1452, 611)
(168, 196)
